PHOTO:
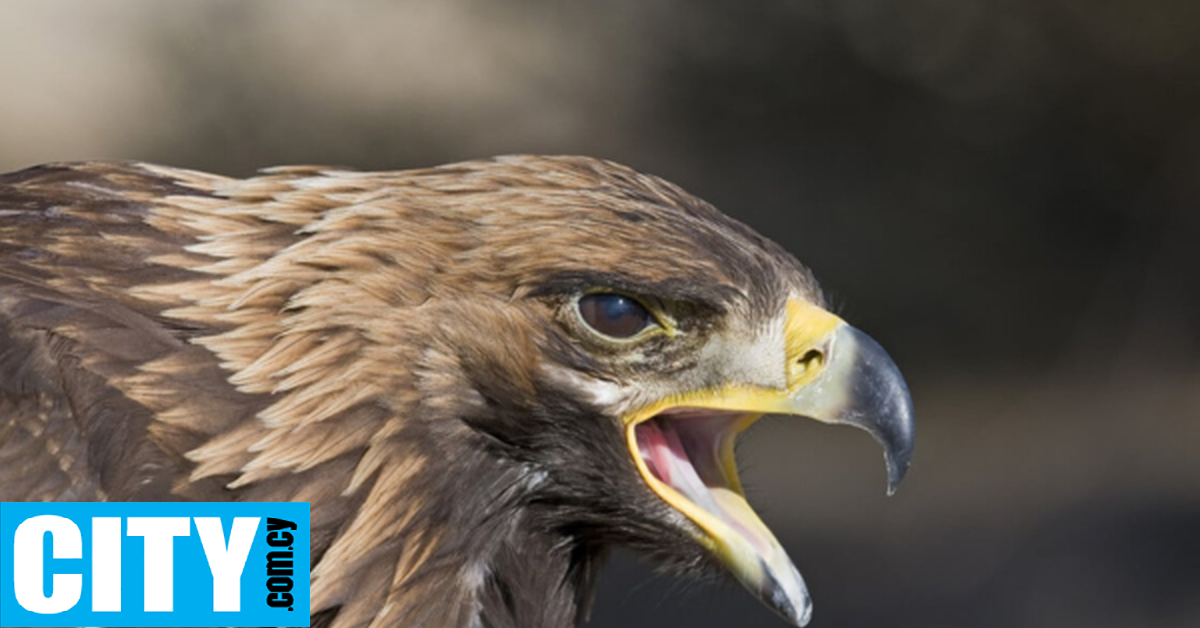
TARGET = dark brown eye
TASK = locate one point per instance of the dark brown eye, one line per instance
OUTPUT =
(614, 315)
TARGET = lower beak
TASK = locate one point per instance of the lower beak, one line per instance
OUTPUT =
(683, 446)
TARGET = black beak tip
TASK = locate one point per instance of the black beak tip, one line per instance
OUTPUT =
(883, 406)
(896, 473)
(898, 445)
(797, 611)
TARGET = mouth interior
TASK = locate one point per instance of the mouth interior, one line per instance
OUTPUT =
(690, 450)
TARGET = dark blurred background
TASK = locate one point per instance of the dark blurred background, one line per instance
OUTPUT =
(1003, 192)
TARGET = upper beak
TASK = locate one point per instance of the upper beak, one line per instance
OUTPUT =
(855, 383)
(834, 374)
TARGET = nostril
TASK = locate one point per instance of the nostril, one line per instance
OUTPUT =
(811, 358)
(809, 361)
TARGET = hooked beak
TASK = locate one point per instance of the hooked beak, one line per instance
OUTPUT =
(683, 445)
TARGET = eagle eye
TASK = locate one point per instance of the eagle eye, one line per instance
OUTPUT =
(614, 315)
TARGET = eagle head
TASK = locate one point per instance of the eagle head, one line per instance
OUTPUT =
(610, 335)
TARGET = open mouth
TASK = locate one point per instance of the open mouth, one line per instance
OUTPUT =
(689, 451)
(682, 444)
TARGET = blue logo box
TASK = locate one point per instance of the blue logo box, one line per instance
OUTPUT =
(112, 564)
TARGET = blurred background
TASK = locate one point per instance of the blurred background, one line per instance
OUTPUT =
(1003, 192)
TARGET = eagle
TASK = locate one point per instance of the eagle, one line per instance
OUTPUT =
(481, 376)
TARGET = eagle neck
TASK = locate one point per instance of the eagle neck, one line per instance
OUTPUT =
(534, 578)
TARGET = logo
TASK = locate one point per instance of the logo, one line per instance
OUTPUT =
(154, 564)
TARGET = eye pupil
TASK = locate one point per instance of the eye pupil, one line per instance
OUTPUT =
(614, 315)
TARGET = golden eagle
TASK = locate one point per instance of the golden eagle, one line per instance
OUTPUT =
(481, 375)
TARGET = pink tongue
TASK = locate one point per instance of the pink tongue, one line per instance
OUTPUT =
(664, 453)
(661, 444)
